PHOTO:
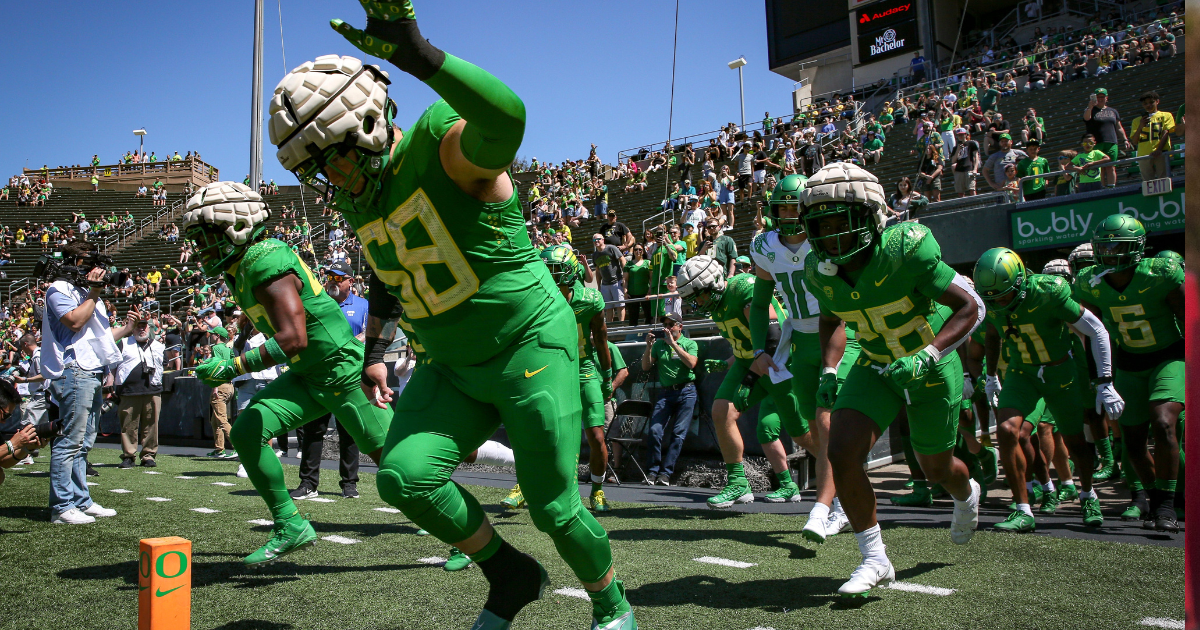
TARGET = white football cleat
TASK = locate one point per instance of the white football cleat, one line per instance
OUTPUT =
(815, 530)
(966, 517)
(837, 523)
(868, 575)
(99, 510)
(242, 472)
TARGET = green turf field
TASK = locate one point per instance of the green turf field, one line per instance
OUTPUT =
(64, 577)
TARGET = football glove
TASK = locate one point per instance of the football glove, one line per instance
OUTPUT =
(827, 388)
(910, 369)
(392, 34)
(713, 366)
(968, 387)
(991, 389)
(216, 371)
(1109, 401)
(606, 388)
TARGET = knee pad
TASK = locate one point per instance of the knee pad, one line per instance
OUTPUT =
(583, 545)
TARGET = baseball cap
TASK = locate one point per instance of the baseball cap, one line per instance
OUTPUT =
(1033, 142)
(220, 332)
(1101, 91)
(340, 268)
(1005, 136)
(960, 130)
(673, 315)
(745, 260)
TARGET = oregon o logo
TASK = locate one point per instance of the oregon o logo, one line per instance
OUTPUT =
(144, 564)
(158, 566)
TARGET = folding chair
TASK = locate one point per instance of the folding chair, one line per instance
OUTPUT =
(628, 429)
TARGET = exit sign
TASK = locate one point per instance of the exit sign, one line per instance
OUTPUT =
(1156, 187)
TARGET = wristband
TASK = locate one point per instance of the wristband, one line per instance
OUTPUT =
(933, 353)
(273, 349)
(757, 352)
(375, 349)
(239, 366)
(1102, 380)
(252, 361)
(11, 450)
(828, 370)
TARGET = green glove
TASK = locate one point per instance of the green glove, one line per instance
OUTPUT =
(713, 366)
(216, 371)
(392, 34)
(606, 388)
(741, 400)
(827, 389)
(908, 370)
(376, 44)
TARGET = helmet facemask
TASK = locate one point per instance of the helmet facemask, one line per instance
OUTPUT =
(847, 237)
(786, 226)
(1118, 253)
(367, 169)
(213, 246)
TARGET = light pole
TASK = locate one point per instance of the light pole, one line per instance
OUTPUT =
(738, 63)
(256, 99)
(141, 134)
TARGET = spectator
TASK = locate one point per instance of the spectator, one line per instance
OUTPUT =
(1037, 78)
(905, 203)
(30, 383)
(872, 148)
(78, 344)
(1010, 182)
(140, 387)
(1078, 64)
(1085, 165)
(993, 169)
(966, 163)
(1032, 164)
(610, 266)
(616, 233)
(720, 246)
(1034, 127)
(219, 401)
(995, 129)
(676, 358)
(637, 284)
(154, 280)
(1148, 130)
(917, 68)
(1103, 123)
(744, 160)
(987, 100)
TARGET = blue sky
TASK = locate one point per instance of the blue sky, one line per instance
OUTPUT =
(587, 71)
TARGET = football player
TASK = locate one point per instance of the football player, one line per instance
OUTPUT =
(1079, 259)
(780, 256)
(595, 362)
(702, 284)
(1030, 319)
(441, 225)
(305, 330)
(910, 311)
(1141, 302)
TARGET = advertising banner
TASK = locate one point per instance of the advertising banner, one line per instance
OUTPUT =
(1073, 222)
(894, 40)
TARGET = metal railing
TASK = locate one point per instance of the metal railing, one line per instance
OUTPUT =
(164, 215)
(203, 171)
(1047, 176)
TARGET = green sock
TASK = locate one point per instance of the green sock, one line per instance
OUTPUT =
(785, 477)
(285, 512)
(489, 549)
(737, 473)
(596, 487)
(608, 601)
(1104, 448)
(1166, 484)
(1135, 485)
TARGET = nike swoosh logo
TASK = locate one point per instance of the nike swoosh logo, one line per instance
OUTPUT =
(142, 588)
(1066, 385)
(934, 384)
(882, 280)
(579, 311)
(1144, 290)
(1034, 308)
(396, 168)
(529, 374)
(584, 376)
(160, 592)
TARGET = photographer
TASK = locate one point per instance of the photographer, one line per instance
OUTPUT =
(139, 384)
(77, 346)
(24, 441)
(676, 357)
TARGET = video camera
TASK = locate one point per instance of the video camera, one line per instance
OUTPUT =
(50, 268)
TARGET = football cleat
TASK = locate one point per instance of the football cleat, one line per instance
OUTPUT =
(731, 494)
(1049, 503)
(1106, 472)
(988, 463)
(1068, 493)
(599, 503)
(286, 537)
(457, 561)
(1018, 522)
(787, 493)
(919, 497)
(620, 619)
(814, 530)
(515, 500)
(868, 575)
(837, 523)
(1092, 517)
(1165, 522)
(966, 517)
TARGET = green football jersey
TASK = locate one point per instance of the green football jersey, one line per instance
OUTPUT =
(465, 272)
(890, 307)
(1036, 332)
(730, 315)
(328, 330)
(1138, 318)
(586, 303)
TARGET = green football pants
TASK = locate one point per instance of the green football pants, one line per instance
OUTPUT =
(445, 413)
(293, 400)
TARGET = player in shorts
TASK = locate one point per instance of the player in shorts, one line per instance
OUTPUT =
(1031, 321)
(1079, 259)
(909, 311)
(780, 255)
(441, 225)
(305, 330)
(1141, 302)
(702, 284)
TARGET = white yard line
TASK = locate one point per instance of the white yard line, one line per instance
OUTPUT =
(260, 521)
(184, 477)
(434, 560)
(572, 592)
(341, 540)
(203, 510)
(1162, 622)
(725, 563)
(159, 499)
(388, 510)
(910, 587)
(120, 491)
(223, 483)
(320, 500)
(151, 472)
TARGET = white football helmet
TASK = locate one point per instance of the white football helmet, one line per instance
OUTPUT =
(328, 107)
(222, 218)
(1081, 258)
(701, 274)
(843, 188)
(1059, 267)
